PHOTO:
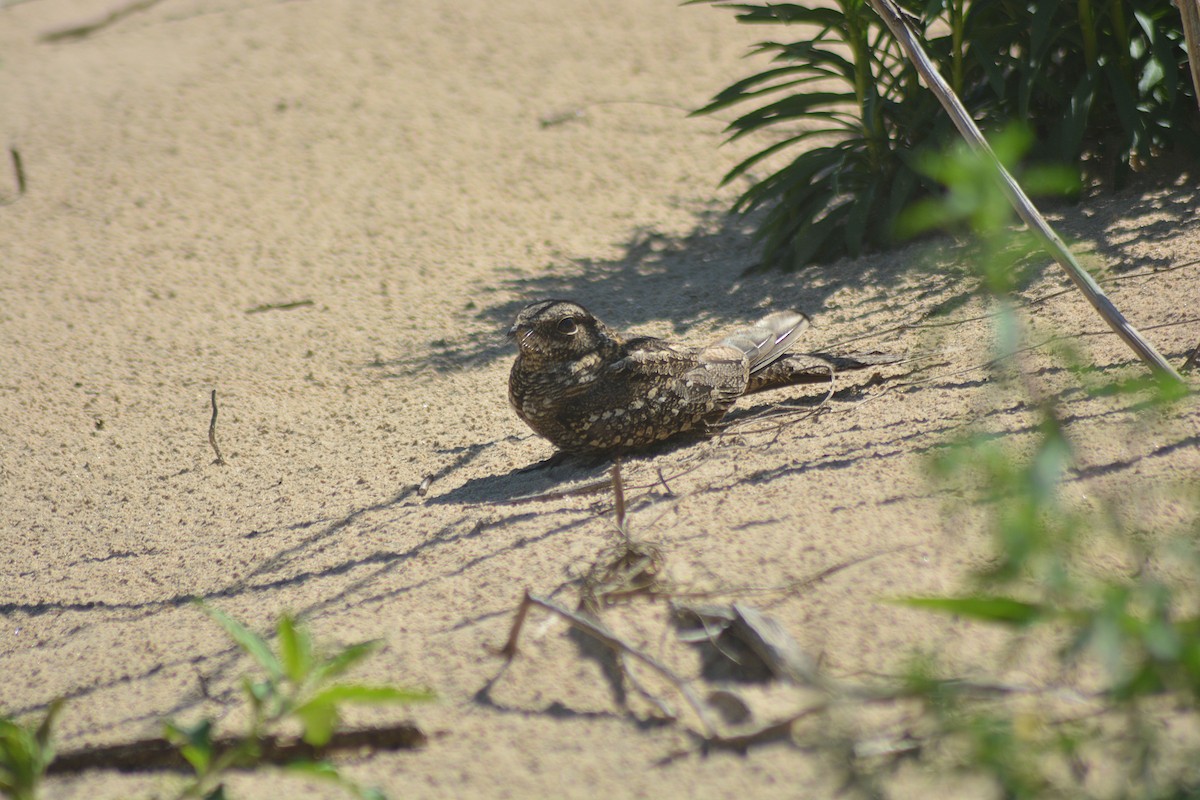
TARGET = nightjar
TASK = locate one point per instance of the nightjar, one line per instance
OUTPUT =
(589, 389)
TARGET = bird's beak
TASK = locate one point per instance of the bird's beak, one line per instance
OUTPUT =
(520, 335)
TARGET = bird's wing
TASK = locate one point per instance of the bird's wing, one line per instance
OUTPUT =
(768, 339)
(649, 356)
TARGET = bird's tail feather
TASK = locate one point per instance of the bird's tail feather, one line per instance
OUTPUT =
(768, 339)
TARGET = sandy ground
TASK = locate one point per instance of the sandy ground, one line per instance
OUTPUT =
(387, 166)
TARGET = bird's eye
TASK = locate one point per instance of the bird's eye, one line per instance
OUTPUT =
(567, 326)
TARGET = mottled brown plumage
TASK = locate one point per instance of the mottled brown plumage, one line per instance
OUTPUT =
(589, 389)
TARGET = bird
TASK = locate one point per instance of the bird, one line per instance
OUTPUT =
(591, 390)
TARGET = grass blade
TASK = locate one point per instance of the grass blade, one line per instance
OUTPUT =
(1002, 610)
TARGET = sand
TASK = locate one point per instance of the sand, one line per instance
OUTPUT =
(329, 213)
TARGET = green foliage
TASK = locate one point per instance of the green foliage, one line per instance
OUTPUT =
(25, 753)
(849, 88)
(1005, 610)
(1141, 630)
(296, 687)
(1103, 87)
(1011, 748)
(1107, 80)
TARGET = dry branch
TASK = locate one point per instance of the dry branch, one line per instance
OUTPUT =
(606, 637)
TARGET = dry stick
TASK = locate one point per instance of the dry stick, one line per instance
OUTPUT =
(280, 306)
(18, 175)
(1189, 10)
(1192, 359)
(618, 486)
(212, 430)
(18, 169)
(606, 637)
(893, 16)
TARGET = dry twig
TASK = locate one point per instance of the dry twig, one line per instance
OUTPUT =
(18, 169)
(212, 431)
(279, 306)
(600, 633)
(1192, 359)
(628, 568)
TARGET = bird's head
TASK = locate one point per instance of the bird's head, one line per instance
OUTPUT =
(558, 330)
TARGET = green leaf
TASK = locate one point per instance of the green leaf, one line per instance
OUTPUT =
(319, 719)
(761, 154)
(791, 14)
(360, 693)
(828, 61)
(789, 109)
(25, 753)
(1152, 75)
(328, 772)
(750, 87)
(1042, 29)
(195, 742)
(1126, 107)
(861, 209)
(339, 663)
(249, 641)
(19, 771)
(809, 244)
(319, 714)
(295, 648)
(45, 731)
(1002, 610)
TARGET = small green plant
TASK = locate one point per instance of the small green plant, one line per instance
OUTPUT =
(848, 89)
(1015, 749)
(25, 752)
(1104, 87)
(297, 685)
(1141, 629)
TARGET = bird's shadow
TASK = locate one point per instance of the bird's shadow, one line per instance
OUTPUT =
(702, 278)
(555, 476)
(565, 474)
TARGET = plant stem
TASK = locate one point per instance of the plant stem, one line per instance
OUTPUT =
(1087, 27)
(865, 90)
(1189, 10)
(956, 37)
